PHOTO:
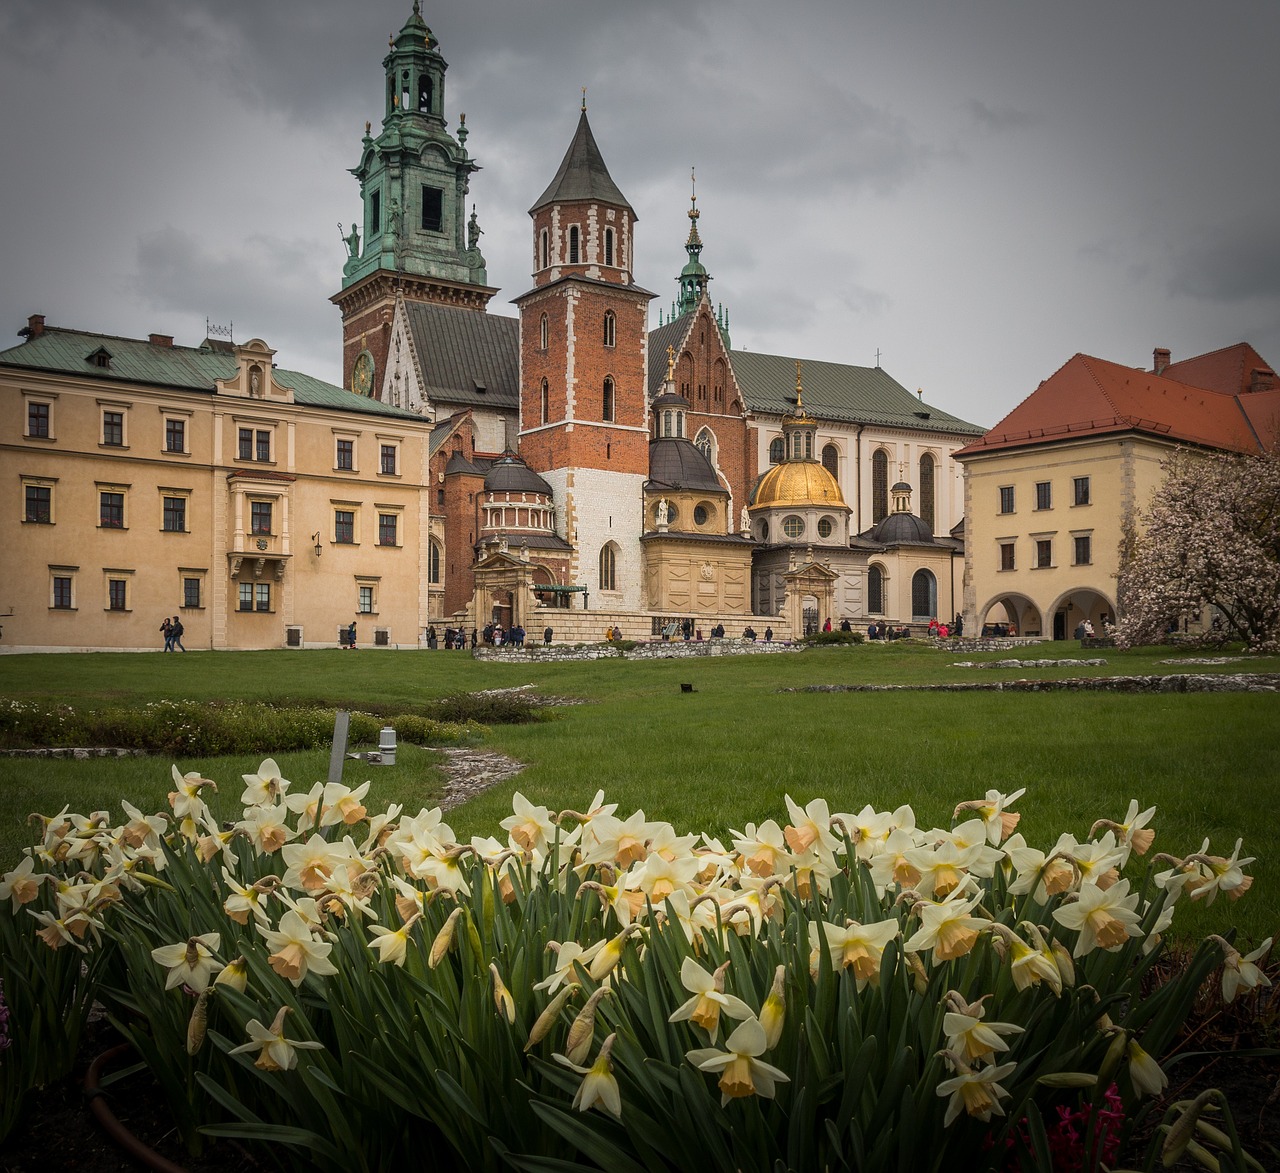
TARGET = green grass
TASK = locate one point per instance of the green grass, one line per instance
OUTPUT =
(728, 752)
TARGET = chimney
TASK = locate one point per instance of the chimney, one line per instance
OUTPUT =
(161, 340)
(34, 327)
(1262, 379)
(1159, 359)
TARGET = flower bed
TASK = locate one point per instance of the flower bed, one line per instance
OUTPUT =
(353, 990)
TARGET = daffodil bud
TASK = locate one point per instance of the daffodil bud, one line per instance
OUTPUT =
(1111, 1060)
(502, 996)
(919, 975)
(774, 1011)
(1148, 1078)
(578, 1044)
(199, 1023)
(547, 1019)
(444, 939)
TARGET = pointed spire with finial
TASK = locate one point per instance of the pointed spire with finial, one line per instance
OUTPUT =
(799, 393)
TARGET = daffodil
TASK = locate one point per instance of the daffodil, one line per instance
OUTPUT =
(392, 944)
(1105, 918)
(773, 1013)
(998, 821)
(530, 827)
(854, 946)
(185, 799)
(810, 827)
(266, 787)
(265, 827)
(295, 952)
(1146, 1074)
(1033, 962)
(341, 804)
(969, 1036)
(275, 1052)
(1220, 875)
(599, 1088)
(1240, 971)
(976, 1092)
(947, 927)
(763, 849)
(235, 975)
(568, 955)
(22, 884)
(191, 963)
(742, 1071)
(709, 999)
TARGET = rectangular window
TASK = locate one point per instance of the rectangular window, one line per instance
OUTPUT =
(259, 517)
(117, 594)
(388, 460)
(39, 504)
(175, 435)
(375, 213)
(1006, 556)
(1044, 553)
(366, 600)
(191, 592)
(1081, 485)
(264, 447)
(246, 596)
(1006, 499)
(61, 592)
(113, 429)
(1084, 550)
(344, 526)
(439, 498)
(38, 420)
(387, 529)
(263, 591)
(1044, 495)
(175, 515)
(432, 209)
(346, 454)
(111, 510)
(245, 450)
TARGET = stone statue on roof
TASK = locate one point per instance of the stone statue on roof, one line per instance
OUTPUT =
(352, 241)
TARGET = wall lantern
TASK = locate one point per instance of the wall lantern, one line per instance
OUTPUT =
(315, 537)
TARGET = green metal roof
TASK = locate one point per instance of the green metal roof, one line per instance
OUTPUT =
(184, 368)
(460, 351)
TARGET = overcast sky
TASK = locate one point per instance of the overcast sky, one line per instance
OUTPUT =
(976, 188)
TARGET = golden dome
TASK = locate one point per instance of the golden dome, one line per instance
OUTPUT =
(798, 482)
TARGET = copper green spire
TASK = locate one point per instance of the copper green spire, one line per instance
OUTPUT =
(693, 277)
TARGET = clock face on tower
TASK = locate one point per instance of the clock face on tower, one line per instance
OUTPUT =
(362, 374)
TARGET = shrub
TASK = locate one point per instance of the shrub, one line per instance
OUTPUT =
(844, 991)
(834, 637)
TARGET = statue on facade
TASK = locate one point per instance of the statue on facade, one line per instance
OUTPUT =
(352, 241)
(474, 230)
(744, 524)
(664, 513)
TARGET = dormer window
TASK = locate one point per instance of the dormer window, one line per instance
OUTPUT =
(100, 358)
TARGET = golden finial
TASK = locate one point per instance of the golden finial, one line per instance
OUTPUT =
(584, 99)
(799, 392)
(671, 364)
(693, 198)
(368, 126)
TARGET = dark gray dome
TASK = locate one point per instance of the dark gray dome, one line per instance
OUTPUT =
(512, 475)
(899, 528)
(902, 487)
(679, 464)
(671, 399)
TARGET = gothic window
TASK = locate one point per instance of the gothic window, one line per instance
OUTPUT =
(608, 249)
(610, 328)
(573, 245)
(776, 450)
(432, 208)
(831, 460)
(924, 596)
(546, 398)
(608, 568)
(544, 254)
(607, 404)
(705, 443)
(879, 485)
(433, 564)
(875, 590)
(928, 493)
(545, 332)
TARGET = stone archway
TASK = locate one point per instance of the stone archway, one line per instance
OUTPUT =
(1072, 608)
(809, 586)
(1011, 611)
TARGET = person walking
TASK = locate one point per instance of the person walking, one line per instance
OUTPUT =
(175, 634)
(768, 635)
(166, 630)
(547, 633)
(351, 636)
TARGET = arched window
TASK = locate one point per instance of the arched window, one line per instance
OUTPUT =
(879, 485)
(924, 596)
(433, 564)
(546, 400)
(424, 94)
(544, 336)
(608, 249)
(608, 568)
(928, 495)
(706, 442)
(875, 590)
(606, 403)
(831, 460)
(544, 249)
(573, 245)
(776, 451)
(610, 328)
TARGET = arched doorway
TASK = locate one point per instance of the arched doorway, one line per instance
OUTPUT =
(924, 596)
(1073, 608)
(1008, 614)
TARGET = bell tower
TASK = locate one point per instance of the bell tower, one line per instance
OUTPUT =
(584, 420)
(414, 238)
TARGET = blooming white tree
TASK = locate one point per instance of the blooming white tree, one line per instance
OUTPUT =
(1210, 539)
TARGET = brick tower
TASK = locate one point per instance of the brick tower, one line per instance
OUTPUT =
(584, 422)
(416, 240)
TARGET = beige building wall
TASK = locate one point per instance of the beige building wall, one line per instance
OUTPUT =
(1048, 581)
(235, 584)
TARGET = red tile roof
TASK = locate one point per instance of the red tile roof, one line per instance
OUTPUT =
(1090, 396)
(1229, 371)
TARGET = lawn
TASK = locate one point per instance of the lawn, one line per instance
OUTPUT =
(726, 753)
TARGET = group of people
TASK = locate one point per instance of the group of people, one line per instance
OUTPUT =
(887, 631)
(941, 630)
(499, 637)
(172, 630)
(1084, 629)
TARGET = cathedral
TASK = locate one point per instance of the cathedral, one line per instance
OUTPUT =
(582, 457)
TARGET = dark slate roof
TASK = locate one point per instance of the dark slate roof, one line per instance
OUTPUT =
(680, 464)
(460, 350)
(459, 463)
(582, 279)
(671, 334)
(533, 541)
(583, 175)
(835, 391)
(511, 475)
(691, 536)
(186, 368)
(900, 529)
